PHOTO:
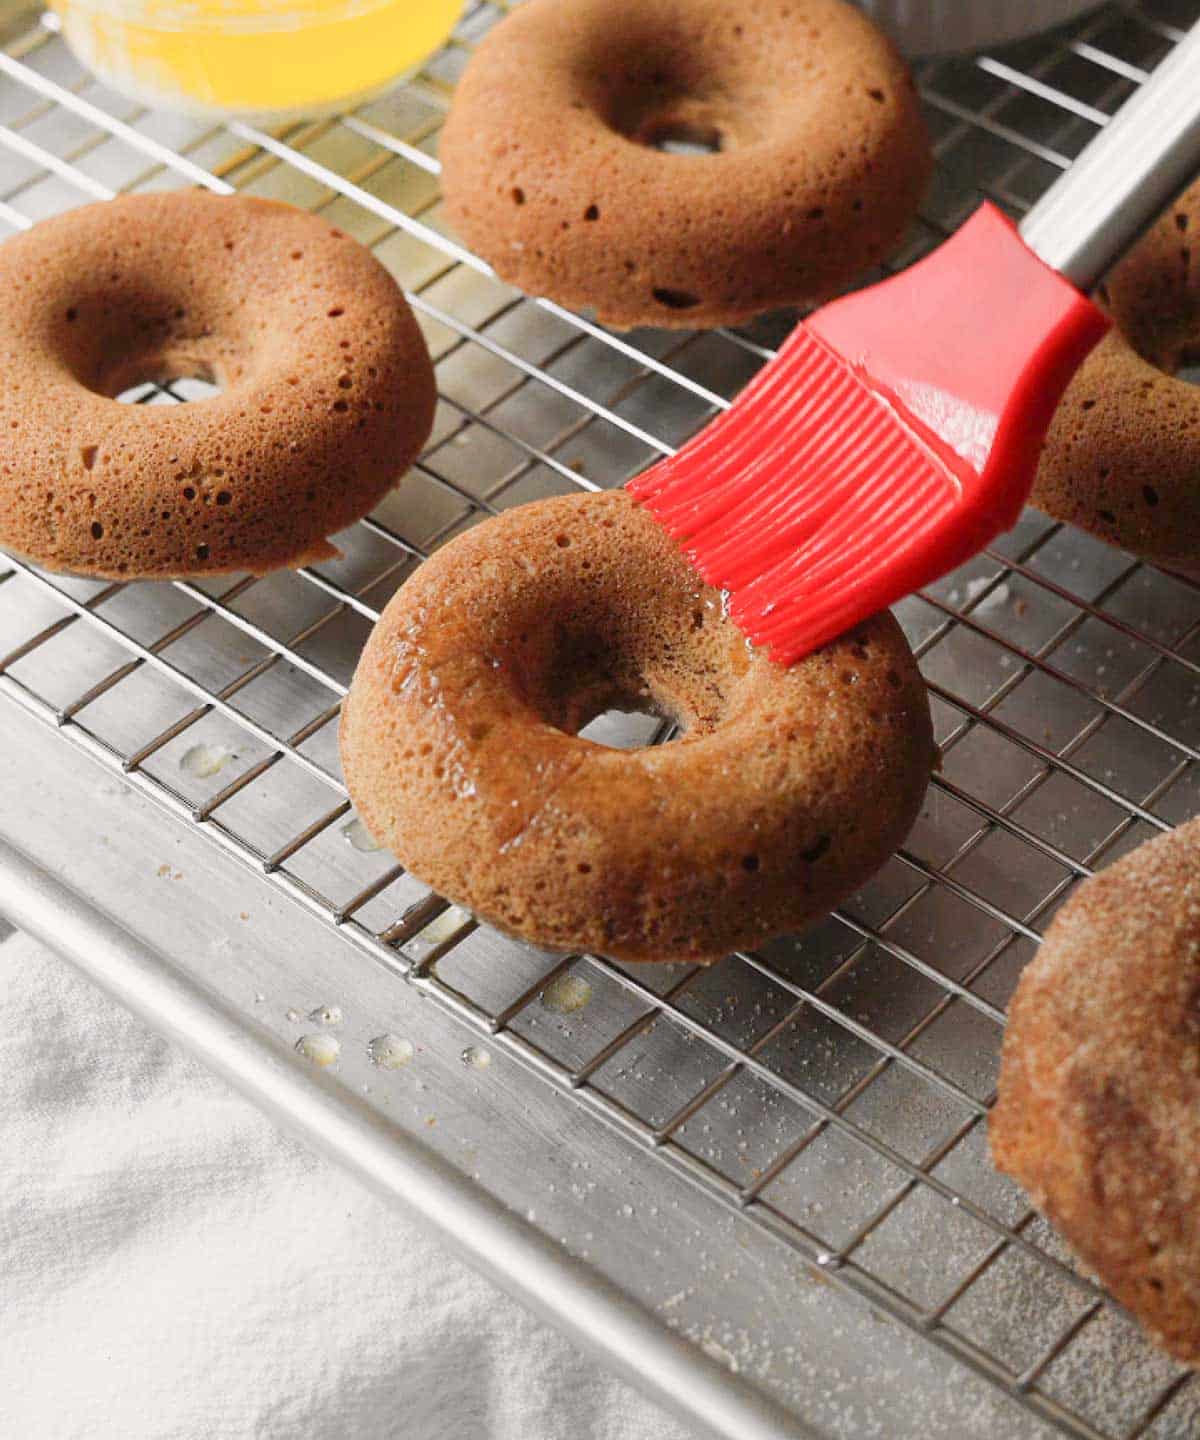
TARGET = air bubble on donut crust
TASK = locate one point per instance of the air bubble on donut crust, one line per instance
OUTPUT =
(675, 299)
(88, 455)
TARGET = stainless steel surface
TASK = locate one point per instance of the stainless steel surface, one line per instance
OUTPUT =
(784, 1156)
(940, 27)
(255, 960)
(1134, 167)
(487, 1234)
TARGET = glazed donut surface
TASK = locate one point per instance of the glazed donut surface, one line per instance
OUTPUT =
(551, 171)
(328, 390)
(788, 788)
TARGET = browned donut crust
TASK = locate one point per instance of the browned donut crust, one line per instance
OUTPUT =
(460, 747)
(1099, 1108)
(550, 170)
(1122, 458)
(328, 388)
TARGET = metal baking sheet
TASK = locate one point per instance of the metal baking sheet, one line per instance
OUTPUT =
(781, 1160)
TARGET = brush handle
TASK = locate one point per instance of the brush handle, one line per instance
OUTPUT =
(1121, 181)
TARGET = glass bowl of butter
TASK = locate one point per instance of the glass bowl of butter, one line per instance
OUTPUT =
(260, 59)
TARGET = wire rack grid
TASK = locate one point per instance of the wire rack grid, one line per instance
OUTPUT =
(834, 1087)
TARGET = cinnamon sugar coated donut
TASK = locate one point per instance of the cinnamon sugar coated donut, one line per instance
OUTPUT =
(551, 171)
(1122, 457)
(788, 788)
(1099, 1108)
(328, 390)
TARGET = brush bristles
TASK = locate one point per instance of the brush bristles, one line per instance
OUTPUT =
(808, 500)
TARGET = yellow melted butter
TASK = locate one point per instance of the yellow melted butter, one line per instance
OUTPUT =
(253, 57)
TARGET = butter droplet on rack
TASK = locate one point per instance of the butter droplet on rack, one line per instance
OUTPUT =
(294, 1016)
(322, 1050)
(476, 1057)
(359, 837)
(203, 761)
(995, 599)
(390, 1052)
(566, 995)
(448, 923)
(326, 1015)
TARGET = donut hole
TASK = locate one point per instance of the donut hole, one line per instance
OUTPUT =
(166, 385)
(141, 344)
(594, 689)
(1187, 366)
(624, 729)
(673, 101)
(628, 676)
(675, 125)
(682, 137)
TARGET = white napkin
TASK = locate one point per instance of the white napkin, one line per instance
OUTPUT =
(170, 1266)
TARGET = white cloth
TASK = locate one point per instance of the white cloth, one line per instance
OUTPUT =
(170, 1266)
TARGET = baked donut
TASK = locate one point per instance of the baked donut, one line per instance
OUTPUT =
(1099, 1108)
(328, 388)
(459, 741)
(550, 168)
(1122, 457)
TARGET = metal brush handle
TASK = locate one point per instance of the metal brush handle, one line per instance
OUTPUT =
(1121, 181)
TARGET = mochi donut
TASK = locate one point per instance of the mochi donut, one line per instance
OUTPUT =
(551, 171)
(787, 788)
(327, 387)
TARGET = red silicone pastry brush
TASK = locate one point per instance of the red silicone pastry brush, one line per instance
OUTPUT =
(897, 431)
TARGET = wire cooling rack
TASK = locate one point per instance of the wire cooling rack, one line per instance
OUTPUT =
(831, 1088)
